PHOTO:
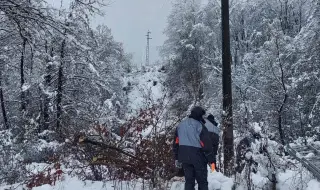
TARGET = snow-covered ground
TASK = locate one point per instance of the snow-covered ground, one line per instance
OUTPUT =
(145, 87)
(288, 180)
(217, 181)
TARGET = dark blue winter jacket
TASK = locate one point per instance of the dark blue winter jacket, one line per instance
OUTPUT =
(192, 143)
(214, 132)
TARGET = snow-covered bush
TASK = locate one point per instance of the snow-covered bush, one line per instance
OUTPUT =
(11, 162)
(263, 163)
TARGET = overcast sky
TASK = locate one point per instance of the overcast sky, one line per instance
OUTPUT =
(130, 20)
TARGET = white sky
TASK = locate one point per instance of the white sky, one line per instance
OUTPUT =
(130, 20)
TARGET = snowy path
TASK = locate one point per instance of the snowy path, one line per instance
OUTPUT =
(217, 181)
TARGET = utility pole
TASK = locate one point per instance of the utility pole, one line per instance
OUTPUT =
(228, 150)
(148, 48)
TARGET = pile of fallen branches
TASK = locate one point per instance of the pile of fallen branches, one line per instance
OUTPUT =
(128, 154)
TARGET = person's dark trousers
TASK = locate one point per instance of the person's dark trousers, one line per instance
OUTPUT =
(192, 173)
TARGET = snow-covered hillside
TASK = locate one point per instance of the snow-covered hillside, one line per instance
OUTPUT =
(144, 87)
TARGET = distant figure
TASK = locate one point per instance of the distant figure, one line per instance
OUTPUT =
(193, 149)
(214, 131)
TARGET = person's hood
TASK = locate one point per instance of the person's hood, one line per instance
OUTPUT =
(197, 113)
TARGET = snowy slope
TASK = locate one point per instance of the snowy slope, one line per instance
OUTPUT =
(216, 182)
(145, 87)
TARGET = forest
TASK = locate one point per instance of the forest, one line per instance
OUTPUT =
(74, 105)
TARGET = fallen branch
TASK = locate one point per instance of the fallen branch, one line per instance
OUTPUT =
(105, 146)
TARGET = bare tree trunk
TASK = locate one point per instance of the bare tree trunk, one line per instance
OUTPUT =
(300, 16)
(46, 97)
(22, 80)
(303, 131)
(280, 119)
(227, 91)
(32, 61)
(285, 98)
(3, 108)
(59, 88)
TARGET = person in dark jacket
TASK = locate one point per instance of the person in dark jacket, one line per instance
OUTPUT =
(193, 149)
(214, 132)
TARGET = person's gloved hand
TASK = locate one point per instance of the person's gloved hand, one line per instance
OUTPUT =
(178, 164)
(213, 167)
(212, 120)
